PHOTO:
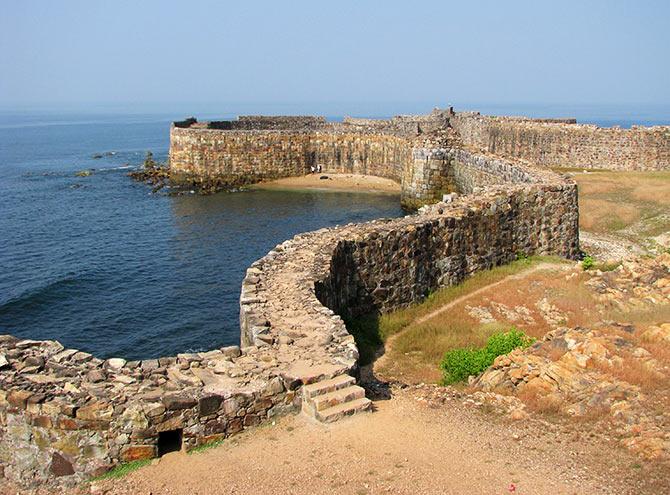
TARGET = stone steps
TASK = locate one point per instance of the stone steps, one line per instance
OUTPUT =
(330, 385)
(332, 399)
(335, 413)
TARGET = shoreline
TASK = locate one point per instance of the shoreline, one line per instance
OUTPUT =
(334, 182)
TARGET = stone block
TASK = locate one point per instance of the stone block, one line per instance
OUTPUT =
(177, 402)
(60, 466)
(18, 398)
(138, 453)
(209, 405)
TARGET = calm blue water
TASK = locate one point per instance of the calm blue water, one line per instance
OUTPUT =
(102, 265)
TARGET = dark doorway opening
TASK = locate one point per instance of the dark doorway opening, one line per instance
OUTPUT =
(169, 441)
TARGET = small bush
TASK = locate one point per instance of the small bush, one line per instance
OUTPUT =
(505, 342)
(587, 262)
(458, 364)
(522, 257)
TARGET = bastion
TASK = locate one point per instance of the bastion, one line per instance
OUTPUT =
(66, 415)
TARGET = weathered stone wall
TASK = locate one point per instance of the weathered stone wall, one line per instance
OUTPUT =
(400, 262)
(243, 157)
(233, 158)
(252, 149)
(556, 143)
(65, 414)
(406, 125)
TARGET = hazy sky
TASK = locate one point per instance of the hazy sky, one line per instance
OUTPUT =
(143, 52)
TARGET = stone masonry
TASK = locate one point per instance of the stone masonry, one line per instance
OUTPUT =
(563, 143)
(66, 415)
(409, 149)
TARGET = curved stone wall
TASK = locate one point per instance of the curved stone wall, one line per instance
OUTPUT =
(252, 149)
(65, 414)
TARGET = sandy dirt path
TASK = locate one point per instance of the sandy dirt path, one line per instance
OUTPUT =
(405, 447)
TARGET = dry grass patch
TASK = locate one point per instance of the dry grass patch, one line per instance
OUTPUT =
(418, 347)
(637, 372)
(601, 215)
(659, 351)
(654, 193)
(539, 402)
(392, 323)
(429, 341)
(641, 317)
(575, 300)
(613, 201)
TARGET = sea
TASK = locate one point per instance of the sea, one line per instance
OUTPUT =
(102, 264)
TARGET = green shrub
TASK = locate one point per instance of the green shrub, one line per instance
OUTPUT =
(522, 257)
(458, 364)
(505, 342)
(587, 262)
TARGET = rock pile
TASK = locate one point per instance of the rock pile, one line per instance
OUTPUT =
(637, 283)
(613, 370)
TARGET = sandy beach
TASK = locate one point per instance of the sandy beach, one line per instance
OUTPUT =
(337, 182)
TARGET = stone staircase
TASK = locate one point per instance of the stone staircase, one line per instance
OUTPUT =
(332, 399)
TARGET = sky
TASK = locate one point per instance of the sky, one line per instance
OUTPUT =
(318, 55)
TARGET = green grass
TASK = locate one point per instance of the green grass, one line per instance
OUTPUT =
(206, 446)
(122, 470)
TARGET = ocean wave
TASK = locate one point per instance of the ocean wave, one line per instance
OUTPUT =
(111, 169)
(49, 292)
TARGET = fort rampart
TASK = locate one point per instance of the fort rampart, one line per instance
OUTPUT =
(561, 143)
(66, 415)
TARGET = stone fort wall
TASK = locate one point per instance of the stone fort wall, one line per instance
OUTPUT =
(563, 143)
(66, 415)
(252, 149)
(407, 149)
(247, 156)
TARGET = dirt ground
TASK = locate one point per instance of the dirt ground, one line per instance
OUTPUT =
(336, 182)
(407, 446)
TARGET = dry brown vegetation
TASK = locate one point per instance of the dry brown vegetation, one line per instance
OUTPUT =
(632, 204)
(416, 342)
